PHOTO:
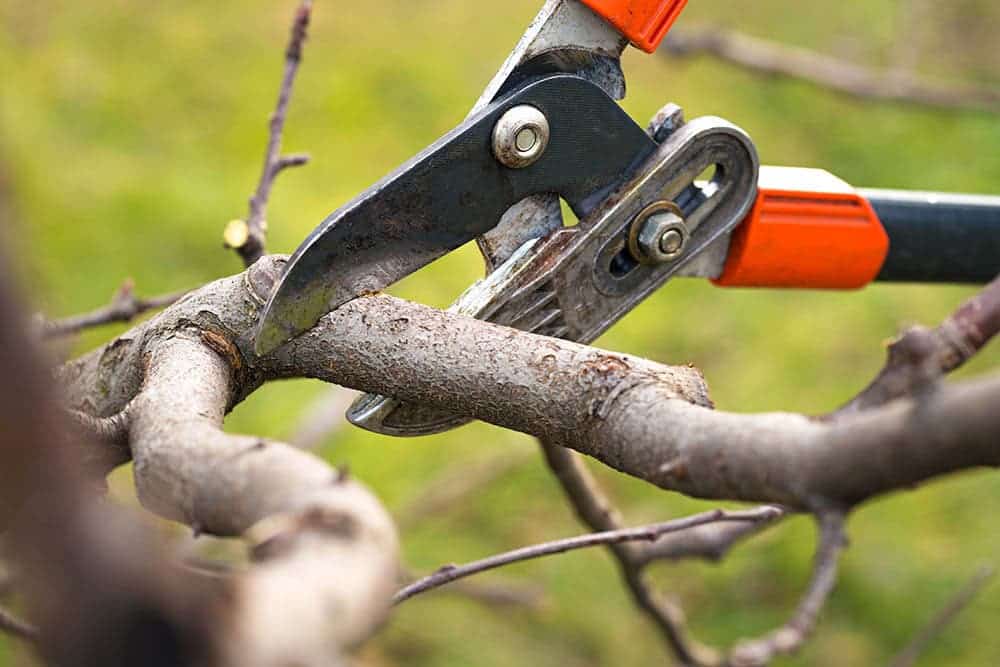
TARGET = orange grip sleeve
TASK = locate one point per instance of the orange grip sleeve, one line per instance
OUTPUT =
(807, 229)
(644, 22)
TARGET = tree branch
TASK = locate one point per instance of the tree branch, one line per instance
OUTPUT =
(762, 56)
(712, 542)
(450, 573)
(124, 307)
(790, 637)
(305, 522)
(595, 510)
(15, 627)
(920, 356)
(323, 419)
(909, 655)
(249, 238)
(648, 420)
(458, 481)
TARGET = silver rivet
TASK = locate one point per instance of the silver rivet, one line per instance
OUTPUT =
(658, 234)
(520, 136)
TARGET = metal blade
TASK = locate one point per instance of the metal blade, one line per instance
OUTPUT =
(453, 191)
(565, 36)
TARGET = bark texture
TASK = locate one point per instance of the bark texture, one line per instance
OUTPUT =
(648, 420)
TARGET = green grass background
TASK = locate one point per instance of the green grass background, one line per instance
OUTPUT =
(130, 133)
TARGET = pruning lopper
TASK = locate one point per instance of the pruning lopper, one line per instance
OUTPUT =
(679, 198)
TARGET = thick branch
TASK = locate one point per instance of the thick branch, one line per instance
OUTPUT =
(249, 238)
(307, 523)
(451, 573)
(645, 419)
(767, 57)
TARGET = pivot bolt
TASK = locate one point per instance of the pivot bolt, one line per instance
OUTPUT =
(520, 136)
(658, 234)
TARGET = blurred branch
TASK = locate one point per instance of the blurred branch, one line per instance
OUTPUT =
(791, 636)
(920, 356)
(446, 491)
(323, 419)
(766, 57)
(909, 655)
(15, 627)
(595, 510)
(124, 307)
(249, 238)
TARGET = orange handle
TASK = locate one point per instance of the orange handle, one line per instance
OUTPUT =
(644, 22)
(809, 229)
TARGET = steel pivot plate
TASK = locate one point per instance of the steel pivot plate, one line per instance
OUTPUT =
(578, 281)
(449, 194)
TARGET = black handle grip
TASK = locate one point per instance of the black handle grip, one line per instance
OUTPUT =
(939, 238)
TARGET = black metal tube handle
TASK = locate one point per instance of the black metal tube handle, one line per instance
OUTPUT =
(938, 238)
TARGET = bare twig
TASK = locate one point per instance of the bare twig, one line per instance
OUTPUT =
(711, 542)
(450, 573)
(768, 57)
(790, 637)
(16, 627)
(909, 655)
(458, 481)
(922, 355)
(249, 237)
(324, 418)
(595, 510)
(492, 593)
(124, 307)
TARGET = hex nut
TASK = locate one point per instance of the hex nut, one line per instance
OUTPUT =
(658, 234)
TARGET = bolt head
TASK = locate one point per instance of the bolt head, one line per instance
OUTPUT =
(520, 136)
(671, 241)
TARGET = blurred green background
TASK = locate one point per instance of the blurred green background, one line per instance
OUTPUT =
(130, 133)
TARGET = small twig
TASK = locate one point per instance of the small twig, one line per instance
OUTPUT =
(767, 57)
(920, 355)
(124, 307)
(458, 481)
(450, 573)
(595, 510)
(711, 542)
(494, 594)
(791, 636)
(324, 418)
(16, 627)
(249, 237)
(909, 655)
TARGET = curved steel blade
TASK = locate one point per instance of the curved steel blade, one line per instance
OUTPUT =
(450, 193)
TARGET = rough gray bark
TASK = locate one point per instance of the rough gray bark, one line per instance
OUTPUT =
(648, 420)
(172, 381)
